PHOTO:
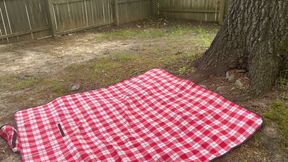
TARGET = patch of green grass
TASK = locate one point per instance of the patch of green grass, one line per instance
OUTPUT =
(123, 57)
(179, 30)
(284, 95)
(123, 34)
(58, 88)
(102, 71)
(6, 82)
(279, 115)
(14, 83)
(282, 84)
(119, 66)
(204, 34)
(184, 70)
(190, 56)
(26, 83)
(199, 36)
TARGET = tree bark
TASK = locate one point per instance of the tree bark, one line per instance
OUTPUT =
(254, 37)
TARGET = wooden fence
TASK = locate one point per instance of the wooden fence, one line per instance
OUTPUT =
(25, 18)
(36, 19)
(74, 15)
(199, 10)
(133, 10)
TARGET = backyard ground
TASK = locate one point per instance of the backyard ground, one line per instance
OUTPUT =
(36, 72)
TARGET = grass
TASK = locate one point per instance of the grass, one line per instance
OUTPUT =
(282, 84)
(116, 67)
(279, 112)
(57, 87)
(279, 115)
(102, 72)
(14, 83)
(184, 70)
(132, 33)
(123, 64)
(120, 66)
(203, 34)
(26, 83)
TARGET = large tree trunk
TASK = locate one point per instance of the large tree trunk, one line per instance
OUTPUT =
(255, 37)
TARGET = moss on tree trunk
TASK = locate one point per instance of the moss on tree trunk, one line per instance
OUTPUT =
(254, 37)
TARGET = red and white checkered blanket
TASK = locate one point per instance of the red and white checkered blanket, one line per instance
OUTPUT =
(152, 117)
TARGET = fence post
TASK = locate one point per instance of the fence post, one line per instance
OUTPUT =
(221, 12)
(116, 12)
(51, 18)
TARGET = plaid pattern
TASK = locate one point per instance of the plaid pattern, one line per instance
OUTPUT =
(9, 134)
(152, 117)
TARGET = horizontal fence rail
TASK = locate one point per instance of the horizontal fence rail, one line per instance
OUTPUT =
(37, 19)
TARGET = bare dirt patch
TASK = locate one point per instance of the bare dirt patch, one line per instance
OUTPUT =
(49, 56)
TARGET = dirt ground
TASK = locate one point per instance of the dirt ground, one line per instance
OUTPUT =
(36, 72)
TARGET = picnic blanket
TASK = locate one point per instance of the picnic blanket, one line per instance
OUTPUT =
(151, 117)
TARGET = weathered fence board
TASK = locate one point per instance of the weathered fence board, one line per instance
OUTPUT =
(133, 10)
(199, 10)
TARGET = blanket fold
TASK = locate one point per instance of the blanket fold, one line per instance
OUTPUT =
(9, 134)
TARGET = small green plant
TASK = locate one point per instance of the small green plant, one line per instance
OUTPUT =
(184, 70)
(179, 30)
(123, 57)
(190, 56)
(282, 84)
(284, 95)
(203, 36)
(279, 115)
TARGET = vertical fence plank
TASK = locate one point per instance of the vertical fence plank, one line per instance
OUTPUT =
(52, 18)
(221, 11)
(116, 12)
(4, 25)
(28, 19)
(7, 15)
(216, 7)
(86, 13)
